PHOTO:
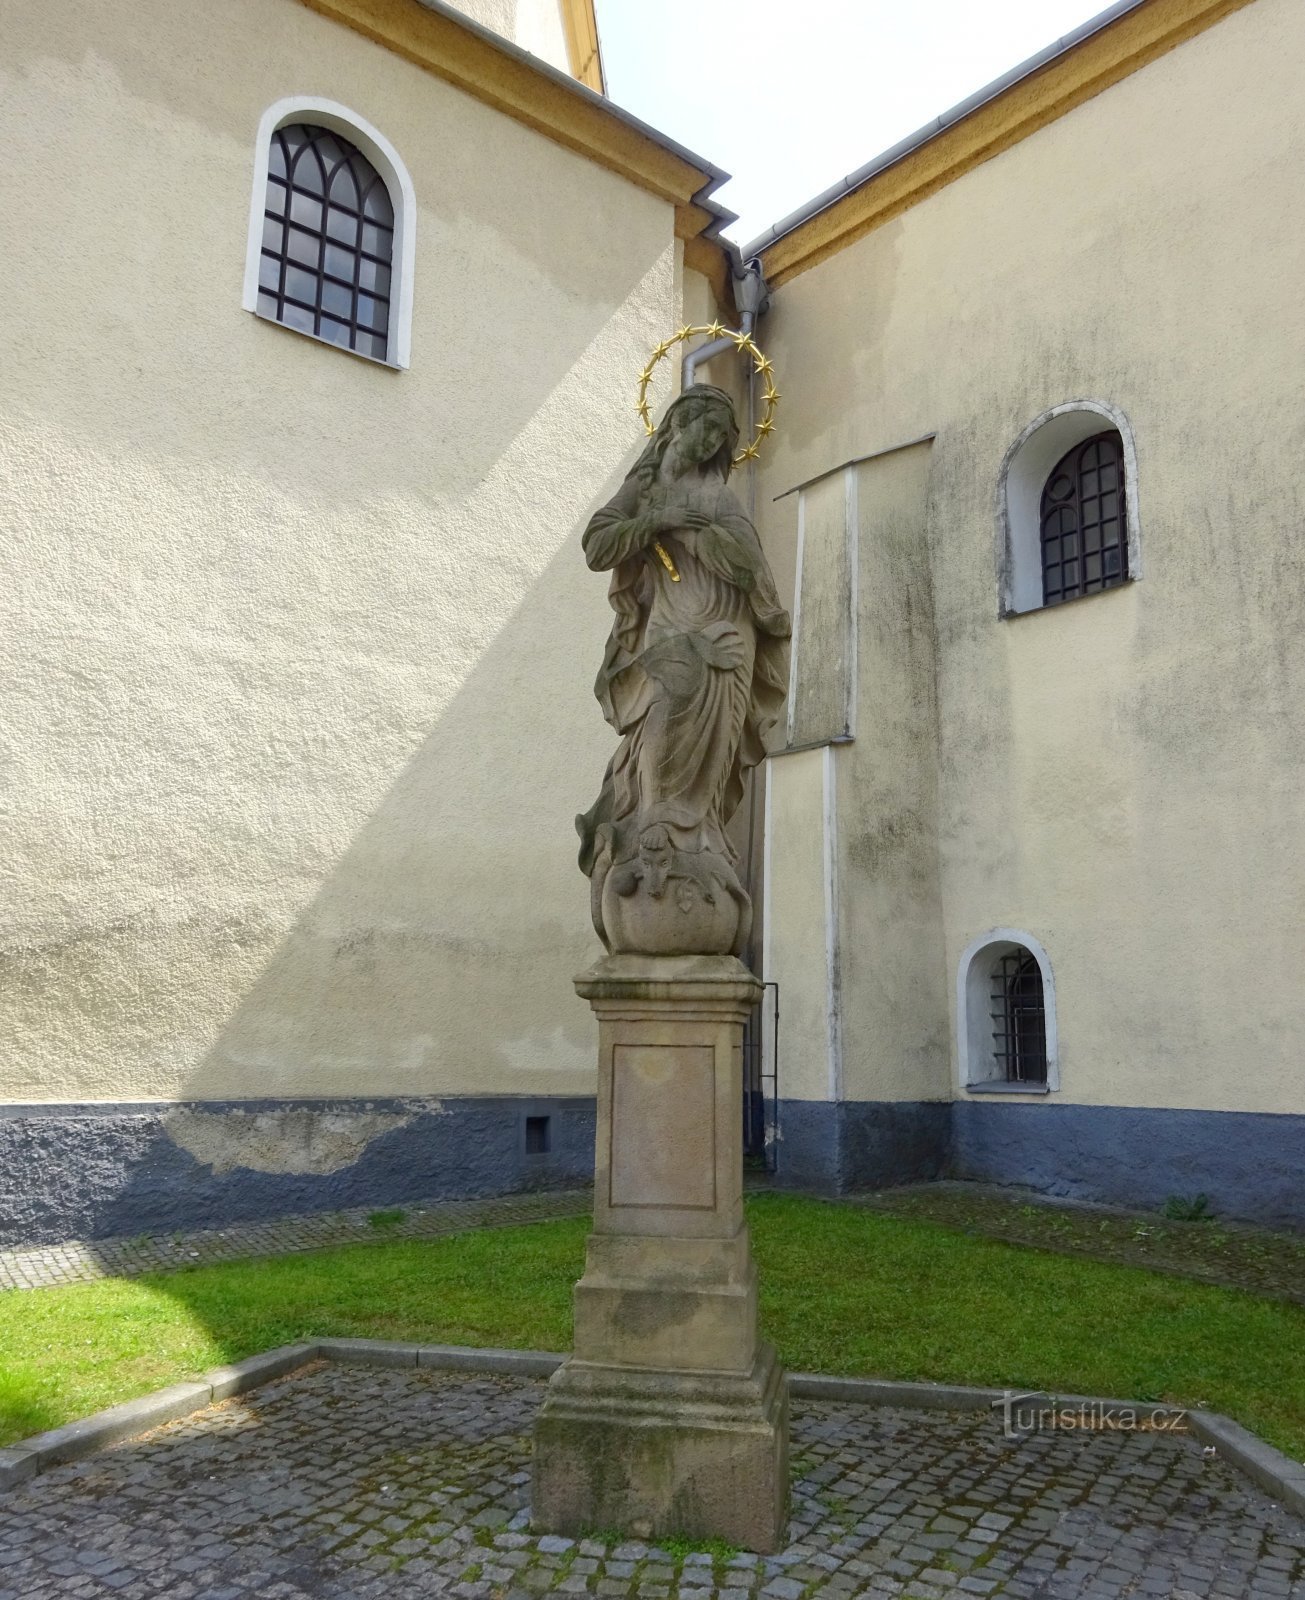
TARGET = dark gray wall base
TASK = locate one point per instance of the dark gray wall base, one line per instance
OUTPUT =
(1251, 1165)
(831, 1147)
(96, 1171)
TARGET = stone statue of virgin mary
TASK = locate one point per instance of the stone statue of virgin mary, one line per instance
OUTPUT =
(693, 678)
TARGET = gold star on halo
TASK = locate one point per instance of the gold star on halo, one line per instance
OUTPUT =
(764, 426)
(715, 329)
(771, 396)
(764, 365)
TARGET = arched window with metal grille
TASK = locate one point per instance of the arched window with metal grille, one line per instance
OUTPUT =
(1006, 1031)
(327, 252)
(1018, 1013)
(1083, 533)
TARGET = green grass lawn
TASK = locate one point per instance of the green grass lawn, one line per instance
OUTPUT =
(843, 1290)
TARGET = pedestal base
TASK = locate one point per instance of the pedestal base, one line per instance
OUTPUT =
(670, 1417)
(653, 1452)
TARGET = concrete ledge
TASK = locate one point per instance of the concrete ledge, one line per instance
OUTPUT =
(242, 1375)
(1276, 1473)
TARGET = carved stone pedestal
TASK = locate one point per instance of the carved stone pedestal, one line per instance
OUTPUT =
(670, 1416)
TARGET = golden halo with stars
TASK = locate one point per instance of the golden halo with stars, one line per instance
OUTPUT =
(760, 365)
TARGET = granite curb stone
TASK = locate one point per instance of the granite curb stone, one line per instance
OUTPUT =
(369, 1352)
(17, 1464)
(1273, 1471)
(519, 1363)
(80, 1438)
(248, 1374)
(963, 1397)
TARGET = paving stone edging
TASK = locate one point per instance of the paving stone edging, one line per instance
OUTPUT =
(1273, 1471)
(81, 1438)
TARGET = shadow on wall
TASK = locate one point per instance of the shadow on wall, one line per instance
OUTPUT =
(393, 1044)
(438, 951)
(419, 1009)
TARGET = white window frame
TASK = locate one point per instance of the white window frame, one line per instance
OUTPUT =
(385, 158)
(975, 1056)
(1024, 473)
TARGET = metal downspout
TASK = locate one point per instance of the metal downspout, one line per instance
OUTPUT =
(752, 297)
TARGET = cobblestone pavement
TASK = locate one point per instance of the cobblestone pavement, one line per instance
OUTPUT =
(82, 1261)
(358, 1483)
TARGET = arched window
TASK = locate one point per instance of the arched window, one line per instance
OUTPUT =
(328, 240)
(331, 230)
(1067, 508)
(1019, 1030)
(1082, 524)
(1006, 1016)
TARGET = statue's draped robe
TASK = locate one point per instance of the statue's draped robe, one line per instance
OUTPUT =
(694, 674)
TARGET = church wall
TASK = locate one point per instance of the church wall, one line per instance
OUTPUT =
(534, 25)
(1121, 777)
(853, 908)
(298, 649)
(538, 28)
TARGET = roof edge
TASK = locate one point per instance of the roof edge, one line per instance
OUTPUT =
(1080, 65)
(441, 40)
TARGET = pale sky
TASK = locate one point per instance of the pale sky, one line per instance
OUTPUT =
(790, 95)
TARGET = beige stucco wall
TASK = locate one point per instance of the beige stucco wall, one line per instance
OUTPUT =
(799, 937)
(297, 650)
(539, 29)
(535, 25)
(1123, 777)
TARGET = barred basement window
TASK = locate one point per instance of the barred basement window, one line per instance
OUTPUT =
(1084, 542)
(1007, 1040)
(328, 240)
(1019, 1031)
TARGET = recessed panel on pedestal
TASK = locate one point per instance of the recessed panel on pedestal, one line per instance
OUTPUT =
(663, 1126)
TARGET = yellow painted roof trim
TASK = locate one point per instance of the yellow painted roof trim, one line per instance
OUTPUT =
(581, 28)
(470, 58)
(1104, 58)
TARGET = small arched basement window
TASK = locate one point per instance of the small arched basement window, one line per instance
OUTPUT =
(1006, 1015)
(328, 240)
(332, 231)
(1018, 1015)
(1083, 521)
(1067, 508)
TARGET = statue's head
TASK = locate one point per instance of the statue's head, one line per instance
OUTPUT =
(698, 430)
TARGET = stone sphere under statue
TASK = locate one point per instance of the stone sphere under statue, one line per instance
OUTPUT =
(665, 902)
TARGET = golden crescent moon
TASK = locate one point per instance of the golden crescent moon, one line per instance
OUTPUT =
(744, 344)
